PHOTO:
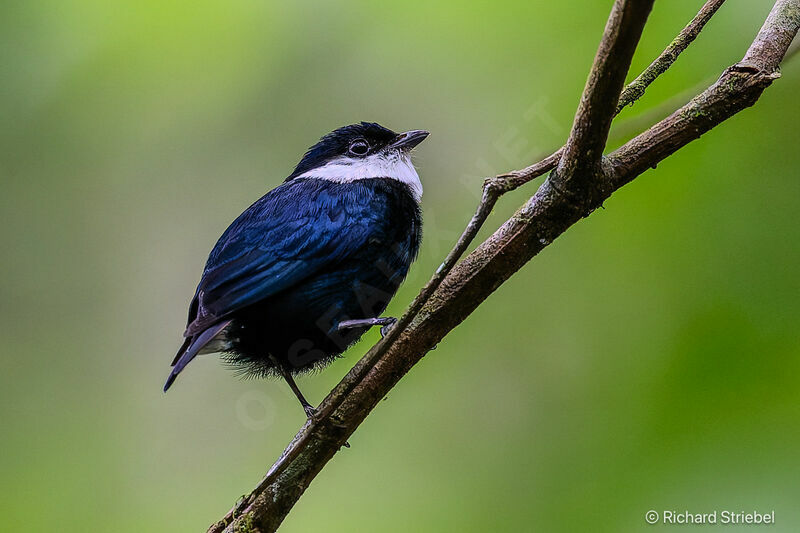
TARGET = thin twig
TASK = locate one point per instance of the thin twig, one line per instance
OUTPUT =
(688, 34)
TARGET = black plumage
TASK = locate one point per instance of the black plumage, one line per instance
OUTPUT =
(319, 249)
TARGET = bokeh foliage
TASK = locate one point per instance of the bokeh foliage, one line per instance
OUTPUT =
(648, 359)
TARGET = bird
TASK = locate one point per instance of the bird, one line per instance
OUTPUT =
(309, 267)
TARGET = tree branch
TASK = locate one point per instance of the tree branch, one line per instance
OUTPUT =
(441, 306)
(579, 165)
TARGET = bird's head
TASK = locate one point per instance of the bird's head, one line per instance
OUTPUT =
(362, 151)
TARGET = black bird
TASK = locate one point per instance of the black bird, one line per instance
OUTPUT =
(309, 267)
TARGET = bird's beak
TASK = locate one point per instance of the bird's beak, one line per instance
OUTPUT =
(409, 139)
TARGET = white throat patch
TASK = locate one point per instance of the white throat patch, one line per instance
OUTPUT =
(396, 166)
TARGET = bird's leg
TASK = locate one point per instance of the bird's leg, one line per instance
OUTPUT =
(386, 322)
(307, 407)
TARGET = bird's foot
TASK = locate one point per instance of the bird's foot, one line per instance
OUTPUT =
(311, 412)
(386, 323)
(390, 322)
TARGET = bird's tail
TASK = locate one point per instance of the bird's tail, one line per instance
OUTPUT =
(191, 347)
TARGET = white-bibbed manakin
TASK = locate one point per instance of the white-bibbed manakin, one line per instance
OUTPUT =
(309, 267)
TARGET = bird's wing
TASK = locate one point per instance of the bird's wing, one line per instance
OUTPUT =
(280, 240)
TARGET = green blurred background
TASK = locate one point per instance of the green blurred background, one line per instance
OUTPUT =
(648, 359)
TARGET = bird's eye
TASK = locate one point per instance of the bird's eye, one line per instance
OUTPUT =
(359, 147)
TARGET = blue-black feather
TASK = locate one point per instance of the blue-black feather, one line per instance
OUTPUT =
(305, 256)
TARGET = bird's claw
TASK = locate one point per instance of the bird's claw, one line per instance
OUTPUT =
(390, 322)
